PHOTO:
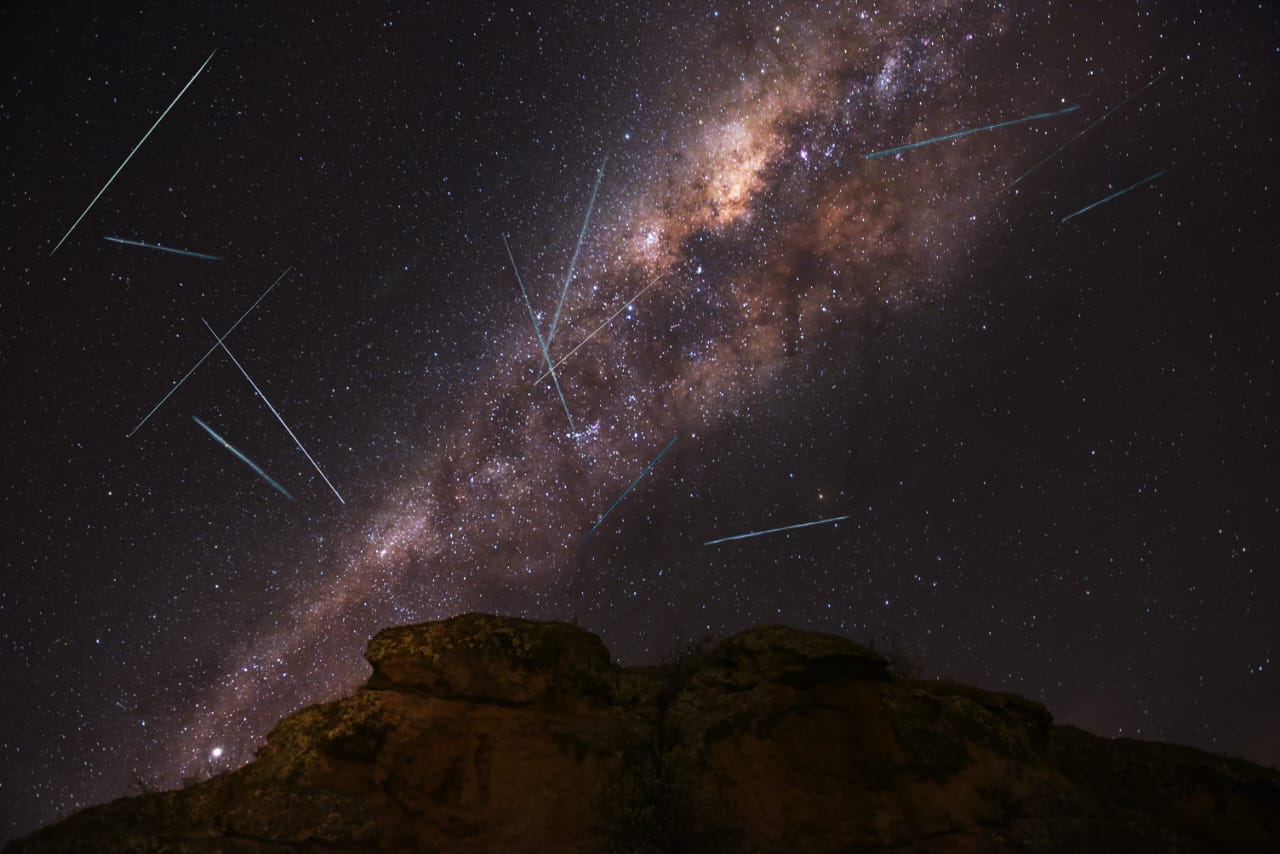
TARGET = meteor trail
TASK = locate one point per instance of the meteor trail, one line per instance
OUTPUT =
(157, 246)
(647, 469)
(573, 262)
(545, 354)
(250, 463)
(131, 153)
(1114, 195)
(1097, 122)
(206, 355)
(774, 530)
(961, 133)
(274, 411)
(625, 306)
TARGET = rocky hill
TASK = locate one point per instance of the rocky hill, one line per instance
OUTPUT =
(484, 733)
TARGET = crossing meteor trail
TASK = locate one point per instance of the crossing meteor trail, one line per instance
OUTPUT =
(961, 133)
(625, 306)
(573, 261)
(774, 530)
(160, 248)
(1092, 125)
(206, 355)
(131, 153)
(250, 463)
(1114, 195)
(274, 411)
(647, 469)
(542, 343)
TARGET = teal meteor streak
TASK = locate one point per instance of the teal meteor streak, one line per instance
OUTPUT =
(1114, 195)
(961, 133)
(160, 248)
(222, 342)
(250, 463)
(633, 485)
(774, 530)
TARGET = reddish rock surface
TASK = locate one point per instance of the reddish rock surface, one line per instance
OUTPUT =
(484, 733)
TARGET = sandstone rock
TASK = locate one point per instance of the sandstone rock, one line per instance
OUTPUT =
(484, 733)
(488, 659)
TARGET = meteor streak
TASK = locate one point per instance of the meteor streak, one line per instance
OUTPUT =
(625, 306)
(206, 355)
(1094, 124)
(250, 463)
(131, 153)
(157, 246)
(774, 530)
(647, 469)
(274, 411)
(961, 133)
(573, 262)
(1114, 195)
(545, 354)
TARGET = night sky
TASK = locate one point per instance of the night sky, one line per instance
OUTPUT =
(1055, 442)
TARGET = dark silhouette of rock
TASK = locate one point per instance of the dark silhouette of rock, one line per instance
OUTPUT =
(484, 733)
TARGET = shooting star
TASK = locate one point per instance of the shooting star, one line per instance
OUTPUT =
(625, 306)
(160, 248)
(274, 411)
(574, 261)
(542, 343)
(1093, 125)
(131, 153)
(961, 133)
(1114, 195)
(250, 463)
(146, 417)
(647, 469)
(774, 530)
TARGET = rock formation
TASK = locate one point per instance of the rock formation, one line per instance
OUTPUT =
(483, 733)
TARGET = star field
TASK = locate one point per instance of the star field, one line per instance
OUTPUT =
(1052, 441)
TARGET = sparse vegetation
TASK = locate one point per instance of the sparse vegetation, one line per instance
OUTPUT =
(143, 786)
(902, 665)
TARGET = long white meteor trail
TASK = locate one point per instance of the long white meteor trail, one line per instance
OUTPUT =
(541, 341)
(250, 463)
(574, 261)
(207, 354)
(131, 153)
(1091, 126)
(774, 530)
(274, 411)
(625, 306)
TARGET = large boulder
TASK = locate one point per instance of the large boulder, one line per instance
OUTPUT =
(491, 659)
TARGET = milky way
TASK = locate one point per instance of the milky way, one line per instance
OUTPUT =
(769, 234)
(1040, 451)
